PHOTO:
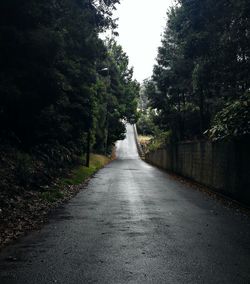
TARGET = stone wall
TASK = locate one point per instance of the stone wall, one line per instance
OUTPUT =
(139, 148)
(223, 166)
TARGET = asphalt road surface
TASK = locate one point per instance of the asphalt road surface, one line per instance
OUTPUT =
(134, 224)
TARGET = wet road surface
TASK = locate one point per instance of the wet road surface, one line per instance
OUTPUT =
(134, 224)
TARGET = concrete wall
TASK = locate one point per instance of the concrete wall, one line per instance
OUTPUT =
(139, 148)
(223, 166)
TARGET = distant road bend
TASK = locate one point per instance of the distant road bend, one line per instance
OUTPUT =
(134, 224)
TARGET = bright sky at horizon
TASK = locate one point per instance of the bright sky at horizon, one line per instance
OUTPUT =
(141, 24)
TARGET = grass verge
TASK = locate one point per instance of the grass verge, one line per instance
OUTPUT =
(81, 173)
(77, 176)
(29, 211)
(52, 195)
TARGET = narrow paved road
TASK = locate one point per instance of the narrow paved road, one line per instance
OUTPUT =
(134, 224)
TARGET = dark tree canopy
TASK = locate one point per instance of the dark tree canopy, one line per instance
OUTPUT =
(59, 82)
(203, 64)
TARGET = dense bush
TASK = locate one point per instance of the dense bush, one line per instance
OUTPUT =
(203, 66)
(63, 90)
(145, 124)
(233, 121)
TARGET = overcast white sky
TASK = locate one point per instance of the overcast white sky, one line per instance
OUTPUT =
(141, 23)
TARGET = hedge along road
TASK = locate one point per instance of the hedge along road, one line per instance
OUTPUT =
(134, 224)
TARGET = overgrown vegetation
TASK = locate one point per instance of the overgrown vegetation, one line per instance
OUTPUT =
(146, 125)
(24, 210)
(51, 195)
(81, 173)
(77, 176)
(63, 90)
(201, 81)
(233, 121)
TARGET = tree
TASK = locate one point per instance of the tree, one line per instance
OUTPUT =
(202, 64)
(119, 95)
(49, 79)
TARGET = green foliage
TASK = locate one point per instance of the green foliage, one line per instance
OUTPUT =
(77, 176)
(81, 173)
(159, 141)
(24, 169)
(117, 101)
(53, 88)
(48, 54)
(233, 121)
(203, 63)
(52, 195)
(146, 125)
